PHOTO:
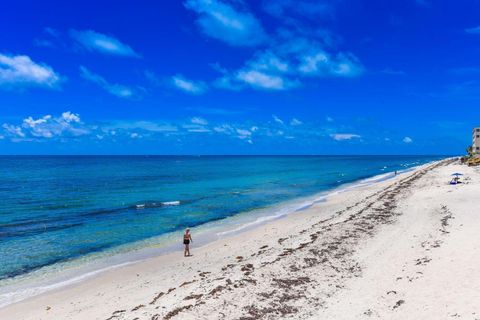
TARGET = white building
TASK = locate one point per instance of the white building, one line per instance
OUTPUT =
(476, 140)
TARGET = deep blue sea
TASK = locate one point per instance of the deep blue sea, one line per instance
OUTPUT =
(58, 208)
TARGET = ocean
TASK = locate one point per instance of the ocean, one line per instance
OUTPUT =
(58, 211)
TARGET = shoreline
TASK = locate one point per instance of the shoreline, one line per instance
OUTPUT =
(225, 269)
(75, 272)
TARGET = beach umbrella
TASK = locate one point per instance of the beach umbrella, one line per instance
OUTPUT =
(457, 174)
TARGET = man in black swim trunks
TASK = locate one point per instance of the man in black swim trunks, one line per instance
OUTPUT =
(187, 238)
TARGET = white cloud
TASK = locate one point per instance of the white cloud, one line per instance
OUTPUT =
(20, 70)
(199, 130)
(188, 85)
(95, 41)
(277, 119)
(67, 124)
(135, 135)
(268, 61)
(295, 122)
(287, 61)
(260, 80)
(13, 130)
(243, 133)
(224, 128)
(37, 127)
(195, 127)
(407, 140)
(117, 90)
(323, 64)
(198, 120)
(220, 20)
(344, 136)
(70, 117)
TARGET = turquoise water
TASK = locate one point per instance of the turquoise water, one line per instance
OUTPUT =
(56, 209)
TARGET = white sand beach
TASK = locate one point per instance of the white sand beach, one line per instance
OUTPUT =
(405, 248)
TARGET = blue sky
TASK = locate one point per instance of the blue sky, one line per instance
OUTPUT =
(239, 77)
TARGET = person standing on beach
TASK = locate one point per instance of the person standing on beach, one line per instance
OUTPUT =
(187, 238)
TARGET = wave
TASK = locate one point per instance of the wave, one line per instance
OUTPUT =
(154, 204)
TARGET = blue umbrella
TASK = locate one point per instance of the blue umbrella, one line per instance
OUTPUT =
(457, 174)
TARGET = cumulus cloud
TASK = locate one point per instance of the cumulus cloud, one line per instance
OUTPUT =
(407, 140)
(117, 90)
(67, 124)
(287, 62)
(70, 117)
(12, 130)
(95, 41)
(188, 86)
(222, 21)
(21, 71)
(344, 136)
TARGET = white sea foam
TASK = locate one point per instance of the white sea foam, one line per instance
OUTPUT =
(171, 203)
